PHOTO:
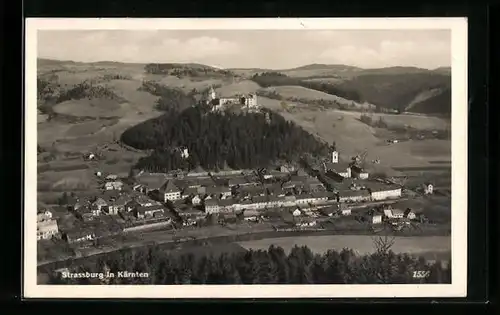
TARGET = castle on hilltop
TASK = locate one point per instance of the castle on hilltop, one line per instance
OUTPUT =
(248, 101)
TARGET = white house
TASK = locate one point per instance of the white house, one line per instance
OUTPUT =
(376, 219)
(296, 213)
(379, 191)
(429, 189)
(115, 185)
(46, 229)
(170, 191)
(196, 200)
(346, 211)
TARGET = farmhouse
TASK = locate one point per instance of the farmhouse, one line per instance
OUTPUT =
(211, 206)
(376, 219)
(46, 229)
(154, 211)
(88, 213)
(381, 191)
(99, 204)
(343, 169)
(358, 172)
(80, 235)
(43, 215)
(170, 191)
(114, 185)
(119, 204)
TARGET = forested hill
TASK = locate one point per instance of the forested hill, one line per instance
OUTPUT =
(217, 140)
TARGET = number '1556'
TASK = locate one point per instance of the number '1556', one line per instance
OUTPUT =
(421, 274)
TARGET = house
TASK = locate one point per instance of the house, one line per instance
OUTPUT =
(77, 236)
(428, 189)
(111, 177)
(345, 211)
(238, 181)
(287, 169)
(44, 215)
(211, 206)
(358, 172)
(353, 196)
(381, 191)
(409, 214)
(377, 218)
(118, 205)
(100, 204)
(170, 191)
(306, 222)
(397, 213)
(196, 200)
(81, 202)
(320, 197)
(342, 169)
(226, 205)
(46, 229)
(189, 192)
(88, 213)
(114, 185)
(220, 192)
(154, 211)
(296, 213)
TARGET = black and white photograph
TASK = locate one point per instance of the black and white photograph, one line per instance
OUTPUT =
(221, 158)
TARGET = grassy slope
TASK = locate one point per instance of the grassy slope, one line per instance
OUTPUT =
(393, 87)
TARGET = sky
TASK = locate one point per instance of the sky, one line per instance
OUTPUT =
(270, 49)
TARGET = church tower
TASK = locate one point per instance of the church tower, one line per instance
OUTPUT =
(212, 93)
(335, 157)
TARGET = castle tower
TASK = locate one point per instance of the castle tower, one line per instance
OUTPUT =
(335, 157)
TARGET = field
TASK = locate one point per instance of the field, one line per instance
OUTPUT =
(300, 92)
(433, 247)
(353, 136)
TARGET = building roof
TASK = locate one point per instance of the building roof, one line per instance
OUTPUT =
(217, 190)
(340, 166)
(190, 191)
(47, 225)
(152, 181)
(353, 193)
(378, 186)
(150, 208)
(211, 203)
(100, 201)
(169, 187)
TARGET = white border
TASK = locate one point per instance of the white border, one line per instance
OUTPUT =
(458, 288)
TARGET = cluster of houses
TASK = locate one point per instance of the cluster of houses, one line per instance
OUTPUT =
(194, 195)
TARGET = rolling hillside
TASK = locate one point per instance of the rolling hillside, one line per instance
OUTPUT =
(399, 88)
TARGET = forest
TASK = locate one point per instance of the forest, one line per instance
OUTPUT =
(170, 98)
(268, 79)
(219, 140)
(271, 266)
(185, 70)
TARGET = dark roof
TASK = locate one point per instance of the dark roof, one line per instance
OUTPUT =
(211, 203)
(169, 187)
(150, 208)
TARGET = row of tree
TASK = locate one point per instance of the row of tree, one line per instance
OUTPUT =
(217, 140)
(272, 266)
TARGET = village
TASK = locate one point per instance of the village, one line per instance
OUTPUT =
(290, 197)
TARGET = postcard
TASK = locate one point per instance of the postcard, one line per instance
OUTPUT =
(245, 158)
